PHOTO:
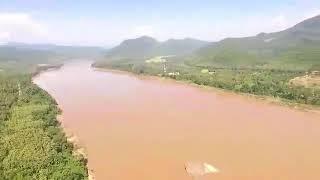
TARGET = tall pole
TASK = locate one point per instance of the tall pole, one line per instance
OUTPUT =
(19, 89)
(165, 67)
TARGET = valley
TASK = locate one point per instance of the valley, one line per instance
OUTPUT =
(236, 108)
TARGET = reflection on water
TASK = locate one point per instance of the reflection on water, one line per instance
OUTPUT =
(148, 129)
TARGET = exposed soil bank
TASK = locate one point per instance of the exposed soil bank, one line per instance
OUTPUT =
(143, 128)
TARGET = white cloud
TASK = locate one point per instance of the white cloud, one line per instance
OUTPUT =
(24, 27)
(143, 30)
(4, 36)
(279, 22)
(311, 13)
(20, 27)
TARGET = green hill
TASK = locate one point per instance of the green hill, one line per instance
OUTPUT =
(147, 47)
(179, 46)
(134, 48)
(295, 48)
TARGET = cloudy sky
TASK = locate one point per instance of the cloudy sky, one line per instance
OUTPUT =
(107, 22)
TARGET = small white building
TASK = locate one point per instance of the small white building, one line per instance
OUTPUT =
(173, 73)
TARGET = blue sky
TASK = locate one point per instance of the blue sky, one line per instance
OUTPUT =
(106, 22)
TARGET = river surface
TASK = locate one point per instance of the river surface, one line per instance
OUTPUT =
(137, 128)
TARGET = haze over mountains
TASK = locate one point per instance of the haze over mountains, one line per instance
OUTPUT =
(14, 51)
(298, 47)
(15, 56)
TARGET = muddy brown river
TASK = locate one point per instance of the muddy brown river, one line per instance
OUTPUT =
(137, 128)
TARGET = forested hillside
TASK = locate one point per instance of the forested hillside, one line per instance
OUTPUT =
(297, 48)
(146, 47)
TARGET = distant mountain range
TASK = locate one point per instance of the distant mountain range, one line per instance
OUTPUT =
(146, 47)
(15, 52)
(295, 48)
(78, 51)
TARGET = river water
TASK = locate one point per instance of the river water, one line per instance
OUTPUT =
(147, 129)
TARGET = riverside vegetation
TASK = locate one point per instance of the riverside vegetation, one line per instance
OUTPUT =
(265, 82)
(32, 142)
(260, 65)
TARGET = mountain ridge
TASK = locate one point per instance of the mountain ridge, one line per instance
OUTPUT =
(146, 47)
(22, 51)
(298, 45)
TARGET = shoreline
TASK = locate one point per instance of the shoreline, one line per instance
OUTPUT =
(78, 150)
(258, 98)
(95, 155)
(49, 67)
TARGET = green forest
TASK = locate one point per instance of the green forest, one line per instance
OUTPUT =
(32, 143)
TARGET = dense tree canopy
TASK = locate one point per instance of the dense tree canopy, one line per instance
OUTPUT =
(32, 143)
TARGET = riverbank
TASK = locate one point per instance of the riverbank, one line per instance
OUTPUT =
(45, 67)
(32, 143)
(78, 150)
(260, 98)
(261, 82)
(162, 124)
